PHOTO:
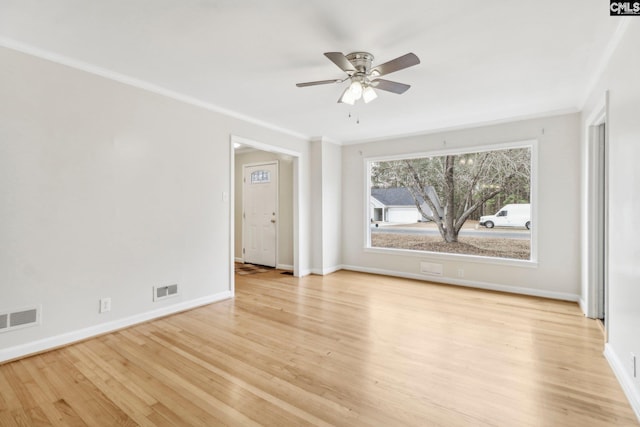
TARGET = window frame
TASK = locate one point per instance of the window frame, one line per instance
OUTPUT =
(531, 262)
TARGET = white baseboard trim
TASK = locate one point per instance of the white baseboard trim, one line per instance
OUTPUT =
(50, 343)
(333, 269)
(327, 270)
(305, 272)
(284, 267)
(583, 306)
(468, 283)
(239, 259)
(625, 380)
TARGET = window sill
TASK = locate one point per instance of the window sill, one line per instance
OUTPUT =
(454, 257)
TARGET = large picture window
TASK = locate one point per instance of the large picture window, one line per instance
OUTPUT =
(475, 203)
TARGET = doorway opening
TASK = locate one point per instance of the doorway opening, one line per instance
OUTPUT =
(285, 214)
(597, 218)
(601, 223)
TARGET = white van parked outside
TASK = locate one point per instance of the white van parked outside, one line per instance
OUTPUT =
(515, 215)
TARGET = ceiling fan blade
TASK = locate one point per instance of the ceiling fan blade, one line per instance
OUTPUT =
(341, 61)
(319, 82)
(390, 86)
(400, 63)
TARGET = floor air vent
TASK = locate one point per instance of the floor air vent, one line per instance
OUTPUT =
(19, 319)
(163, 292)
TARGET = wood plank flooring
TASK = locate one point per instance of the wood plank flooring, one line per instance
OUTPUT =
(348, 349)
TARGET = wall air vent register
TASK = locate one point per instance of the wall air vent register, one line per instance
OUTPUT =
(21, 318)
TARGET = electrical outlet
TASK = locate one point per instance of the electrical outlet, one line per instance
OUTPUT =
(105, 305)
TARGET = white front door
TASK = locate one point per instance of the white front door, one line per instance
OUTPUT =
(260, 213)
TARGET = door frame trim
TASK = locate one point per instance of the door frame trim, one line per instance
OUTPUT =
(297, 197)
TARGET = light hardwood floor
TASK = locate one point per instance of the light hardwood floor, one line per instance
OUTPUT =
(346, 349)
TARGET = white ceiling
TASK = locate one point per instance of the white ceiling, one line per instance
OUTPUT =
(480, 61)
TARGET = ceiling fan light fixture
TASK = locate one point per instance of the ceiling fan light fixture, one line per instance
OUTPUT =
(347, 97)
(356, 89)
(363, 79)
(368, 94)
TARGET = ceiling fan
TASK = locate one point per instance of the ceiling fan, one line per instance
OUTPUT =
(363, 77)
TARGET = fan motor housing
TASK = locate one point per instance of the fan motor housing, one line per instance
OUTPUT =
(361, 61)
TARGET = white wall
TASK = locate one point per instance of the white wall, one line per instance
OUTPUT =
(331, 207)
(326, 215)
(108, 190)
(285, 202)
(557, 273)
(315, 215)
(620, 78)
